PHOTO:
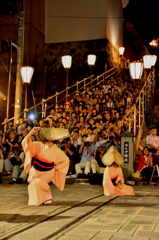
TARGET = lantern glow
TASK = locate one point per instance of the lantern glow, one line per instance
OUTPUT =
(67, 61)
(136, 70)
(121, 50)
(91, 59)
(27, 73)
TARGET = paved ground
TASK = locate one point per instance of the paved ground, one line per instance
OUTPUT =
(81, 212)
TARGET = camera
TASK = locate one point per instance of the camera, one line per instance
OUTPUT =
(63, 148)
(62, 145)
(86, 144)
(15, 148)
(106, 137)
(111, 138)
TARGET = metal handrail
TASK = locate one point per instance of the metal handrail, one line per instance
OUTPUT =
(64, 91)
(140, 105)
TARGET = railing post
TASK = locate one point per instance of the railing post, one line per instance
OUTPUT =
(145, 93)
(149, 82)
(77, 86)
(142, 108)
(97, 79)
(134, 122)
(91, 80)
(56, 103)
(103, 79)
(153, 80)
(43, 108)
(5, 124)
(148, 89)
(129, 121)
(139, 112)
(84, 86)
(66, 93)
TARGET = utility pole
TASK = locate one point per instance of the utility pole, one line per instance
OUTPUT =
(20, 52)
(9, 76)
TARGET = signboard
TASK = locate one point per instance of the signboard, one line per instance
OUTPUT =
(126, 152)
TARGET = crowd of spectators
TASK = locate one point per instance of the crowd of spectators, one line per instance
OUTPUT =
(95, 119)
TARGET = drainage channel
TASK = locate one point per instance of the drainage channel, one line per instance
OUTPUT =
(72, 224)
(23, 227)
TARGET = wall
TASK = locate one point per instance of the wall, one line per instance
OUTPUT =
(75, 20)
(79, 28)
(34, 48)
(114, 25)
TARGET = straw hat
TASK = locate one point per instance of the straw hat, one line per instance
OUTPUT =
(112, 155)
(53, 134)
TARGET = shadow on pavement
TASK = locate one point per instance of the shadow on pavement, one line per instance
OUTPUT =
(18, 218)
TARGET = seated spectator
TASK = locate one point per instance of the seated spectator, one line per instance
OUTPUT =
(85, 114)
(42, 123)
(29, 128)
(101, 142)
(152, 141)
(53, 115)
(88, 106)
(110, 104)
(86, 150)
(108, 142)
(82, 121)
(23, 135)
(91, 134)
(76, 140)
(65, 122)
(8, 141)
(1, 163)
(94, 113)
(97, 165)
(98, 109)
(70, 151)
(21, 126)
(13, 162)
(76, 111)
(51, 122)
(61, 125)
(145, 165)
(9, 127)
(68, 108)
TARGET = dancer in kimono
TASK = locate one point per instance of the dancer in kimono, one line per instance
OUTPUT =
(113, 181)
(50, 163)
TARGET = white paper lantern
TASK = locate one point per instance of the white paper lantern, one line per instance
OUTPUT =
(136, 70)
(67, 61)
(91, 59)
(27, 73)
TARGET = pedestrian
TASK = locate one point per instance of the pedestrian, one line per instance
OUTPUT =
(50, 164)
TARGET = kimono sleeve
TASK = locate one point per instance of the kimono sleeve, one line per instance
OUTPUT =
(108, 186)
(61, 169)
(120, 176)
(30, 149)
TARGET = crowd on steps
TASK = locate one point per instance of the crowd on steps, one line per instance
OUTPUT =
(95, 119)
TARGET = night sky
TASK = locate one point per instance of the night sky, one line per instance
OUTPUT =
(7, 7)
(144, 14)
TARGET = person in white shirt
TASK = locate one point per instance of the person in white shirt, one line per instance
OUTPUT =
(152, 141)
